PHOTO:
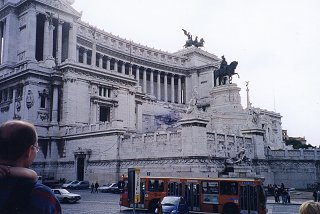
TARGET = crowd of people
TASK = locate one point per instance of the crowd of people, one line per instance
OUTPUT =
(280, 193)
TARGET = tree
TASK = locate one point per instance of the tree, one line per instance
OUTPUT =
(296, 144)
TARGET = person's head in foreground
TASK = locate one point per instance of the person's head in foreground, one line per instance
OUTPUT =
(310, 207)
(18, 143)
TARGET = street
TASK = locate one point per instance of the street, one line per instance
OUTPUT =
(108, 203)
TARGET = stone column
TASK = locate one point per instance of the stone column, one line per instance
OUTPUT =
(123, 68)
(172, 88)
(151, 83)
(72, 44)
(10, 38)
(100, 60)
(130, 69)
(85, 57)
(186, 90)
(46, 40)
(31, 43)
(93, 57)
(54, 119)
(13, 106)
(1, 34)
(166, 87)
(108, 64)
(50, 51)
(144, 89)
(115, 67)
(77, 54)
(138, 76)
(94, 113)
(179, 89)
(59, 42)
(159, 85)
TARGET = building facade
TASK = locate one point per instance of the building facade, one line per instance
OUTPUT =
(102, 104)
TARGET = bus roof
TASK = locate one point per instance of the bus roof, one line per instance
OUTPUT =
(210, 179)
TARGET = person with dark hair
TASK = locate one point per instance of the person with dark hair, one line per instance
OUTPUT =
(19, 191)
(96, 186)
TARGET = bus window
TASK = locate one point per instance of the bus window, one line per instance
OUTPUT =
(210, 187)
(155, 185)
(228, 188)
(175, 189)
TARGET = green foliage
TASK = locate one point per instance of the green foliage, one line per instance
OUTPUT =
(296, 144)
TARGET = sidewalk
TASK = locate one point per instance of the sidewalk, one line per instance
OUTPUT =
(292, 202)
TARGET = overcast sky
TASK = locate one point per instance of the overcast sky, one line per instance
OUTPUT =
(276, 43)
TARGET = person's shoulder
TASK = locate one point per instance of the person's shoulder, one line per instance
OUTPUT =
(43, 198)
(42, 188)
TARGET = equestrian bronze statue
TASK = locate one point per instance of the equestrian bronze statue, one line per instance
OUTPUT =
(225, 72)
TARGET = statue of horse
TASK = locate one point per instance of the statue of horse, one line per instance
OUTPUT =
(189, 43)
(198, 44)
(228, 71)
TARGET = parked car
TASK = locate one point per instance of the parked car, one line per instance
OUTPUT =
(69, 184)
(80, 185)
(113, 188)
(65, 196)
(174, 204)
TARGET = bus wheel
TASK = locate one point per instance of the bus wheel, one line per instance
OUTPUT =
(153, 206)
(230, 208)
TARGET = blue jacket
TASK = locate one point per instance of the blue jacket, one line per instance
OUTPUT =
(23, 196)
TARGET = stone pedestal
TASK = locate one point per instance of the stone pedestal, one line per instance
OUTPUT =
(226, 98)
(194, 136)
(240, 171)
(258, 139)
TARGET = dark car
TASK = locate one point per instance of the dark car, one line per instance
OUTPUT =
(174, 204)
(81, 185)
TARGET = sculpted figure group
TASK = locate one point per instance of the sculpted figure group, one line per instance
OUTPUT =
(191, 42)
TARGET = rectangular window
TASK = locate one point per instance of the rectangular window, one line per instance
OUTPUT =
(100, 91)
(42, 102)
(104, 114)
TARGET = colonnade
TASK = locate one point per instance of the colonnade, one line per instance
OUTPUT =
(48, 38)
(164, 86)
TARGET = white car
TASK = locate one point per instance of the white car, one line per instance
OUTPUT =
(109, 188)
(65, 196)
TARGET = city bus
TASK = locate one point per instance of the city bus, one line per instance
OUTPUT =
(209, 195)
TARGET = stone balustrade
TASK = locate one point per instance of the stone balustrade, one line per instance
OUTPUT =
(295, 154)
(78, 130)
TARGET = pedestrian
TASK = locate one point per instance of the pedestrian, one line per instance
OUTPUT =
(92, 187)
(310, 207)
(284, 196)
(314, 195)
(19, 191)
(318, 195)
(96, 187)
(159, 208)
(289, 197)
(276, 195)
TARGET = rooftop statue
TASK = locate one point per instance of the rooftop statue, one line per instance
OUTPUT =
(191, 42)
(225, 72)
